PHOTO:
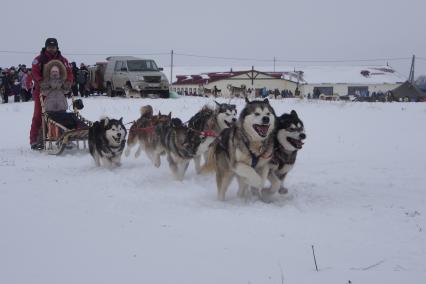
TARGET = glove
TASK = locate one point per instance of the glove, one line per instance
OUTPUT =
(78, 104)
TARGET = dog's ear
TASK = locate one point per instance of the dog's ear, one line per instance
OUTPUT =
(106, 121)
(283, 117)
(170, 114)
(266, 101)
(293, 113)
(159, 113)
(121, 120)
(247, 100)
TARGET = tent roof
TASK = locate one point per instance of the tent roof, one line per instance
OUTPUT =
(408, 90)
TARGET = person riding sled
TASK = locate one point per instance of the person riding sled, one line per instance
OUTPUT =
(54, 89)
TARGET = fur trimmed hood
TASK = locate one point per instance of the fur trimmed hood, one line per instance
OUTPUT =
(49, 65)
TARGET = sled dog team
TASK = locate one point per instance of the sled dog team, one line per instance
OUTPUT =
(255, 147)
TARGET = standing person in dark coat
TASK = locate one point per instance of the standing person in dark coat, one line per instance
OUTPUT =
(74, 87)
(297, 92)
(48, 53)
(82, 78)
(15, 87)
(6, 83)
(276, 93)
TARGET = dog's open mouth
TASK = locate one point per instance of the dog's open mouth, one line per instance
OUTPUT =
(228, 123)
(261, 129)
(295, 143)
(116, 139)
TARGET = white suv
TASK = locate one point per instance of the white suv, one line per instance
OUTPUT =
(132, 75)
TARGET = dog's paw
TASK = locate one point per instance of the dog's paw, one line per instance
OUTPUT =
(127, 152)
(243, 192)
(267, 198)
(257, 182)
(266, 194)
(266, 191)
(283, 190)
(254, 181)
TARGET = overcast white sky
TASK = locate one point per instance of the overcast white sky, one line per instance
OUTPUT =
(294, 30)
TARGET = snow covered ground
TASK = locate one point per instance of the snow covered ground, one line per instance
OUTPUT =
(357, 194)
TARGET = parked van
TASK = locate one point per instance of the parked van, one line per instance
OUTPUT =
(134, 77)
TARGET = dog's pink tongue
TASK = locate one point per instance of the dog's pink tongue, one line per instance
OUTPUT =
(263, 129)
(299, 143)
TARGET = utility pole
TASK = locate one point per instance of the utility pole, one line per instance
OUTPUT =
(252, 76)
(274, 63)
(411, 77)
(171, 68)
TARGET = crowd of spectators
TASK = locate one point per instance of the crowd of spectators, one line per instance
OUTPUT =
(17, 84)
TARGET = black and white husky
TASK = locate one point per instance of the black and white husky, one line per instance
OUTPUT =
(208, 119)
(288, 141)
(107, 139)
(244, 150)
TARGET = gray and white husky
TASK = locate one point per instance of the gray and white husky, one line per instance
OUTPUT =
(208, 119)
(288, 141)
(180, 144)
(244, 150)
(107, 139)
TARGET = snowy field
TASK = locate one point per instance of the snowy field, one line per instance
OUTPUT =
(357, 193)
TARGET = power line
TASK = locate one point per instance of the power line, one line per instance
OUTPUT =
(227, 58)
(115, 54)
(294, 60)
(344, 60)
(17, 52)
(224, 58)
(85, 54)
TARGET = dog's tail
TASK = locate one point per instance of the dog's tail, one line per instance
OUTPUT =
(210, 165)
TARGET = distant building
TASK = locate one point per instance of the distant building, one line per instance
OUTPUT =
(325, 80)
(348, 80)
(233, 83)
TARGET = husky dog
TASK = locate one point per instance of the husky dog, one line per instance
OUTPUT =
(143, 131)
(136, 132)
(180, 144)
(245, 149)
(130, 92)
(107, 139)
(288, 141)
(224, 116)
